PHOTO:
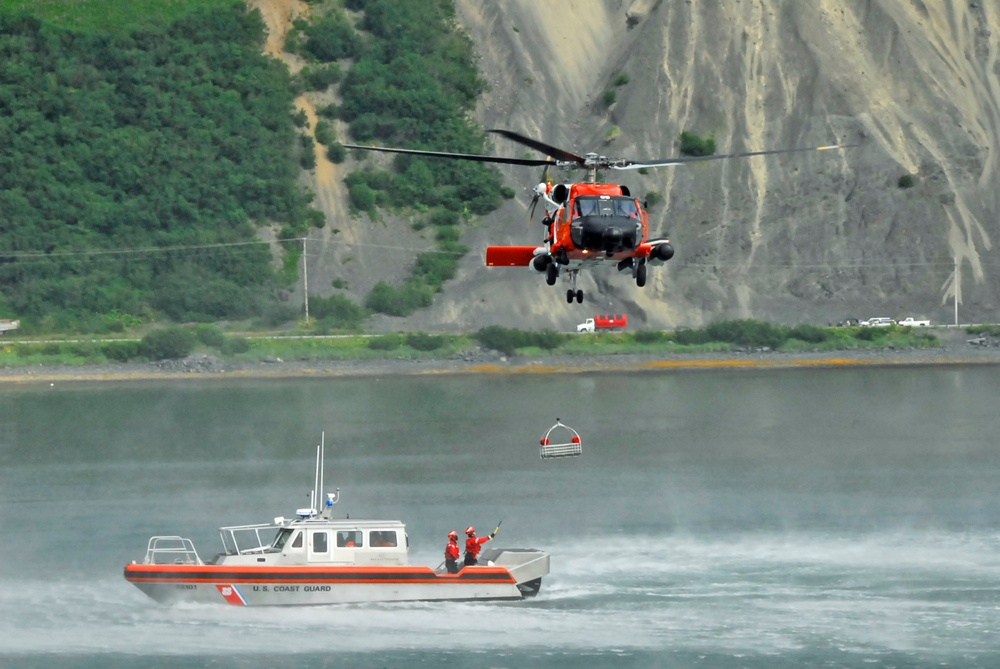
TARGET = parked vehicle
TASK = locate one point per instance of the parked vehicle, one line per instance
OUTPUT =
(880, 322)
(6, 325)
(911, 321)
(603, 322)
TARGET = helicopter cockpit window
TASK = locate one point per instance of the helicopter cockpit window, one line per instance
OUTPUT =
(607, 206)
(626, 207)
(587, 206)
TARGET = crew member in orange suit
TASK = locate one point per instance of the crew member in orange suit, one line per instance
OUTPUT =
(451, 553)
(473, 545)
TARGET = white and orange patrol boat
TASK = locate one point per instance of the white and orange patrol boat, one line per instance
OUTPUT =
(316, 559)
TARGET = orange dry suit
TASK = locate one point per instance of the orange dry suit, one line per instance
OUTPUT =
(451, 556)
(473, 545)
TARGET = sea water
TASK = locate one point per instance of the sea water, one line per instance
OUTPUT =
(820, 518)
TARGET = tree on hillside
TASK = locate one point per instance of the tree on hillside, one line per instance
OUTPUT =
(415, 86)
(118, 147)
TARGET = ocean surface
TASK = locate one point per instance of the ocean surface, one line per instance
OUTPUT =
(718, 519)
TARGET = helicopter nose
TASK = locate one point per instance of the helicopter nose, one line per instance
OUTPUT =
(612, 239)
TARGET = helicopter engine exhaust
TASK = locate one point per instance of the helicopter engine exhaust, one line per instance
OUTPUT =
(663, 251)
(541, 263)
(560, 194)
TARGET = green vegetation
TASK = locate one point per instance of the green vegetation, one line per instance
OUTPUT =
(209, 334)
(724, 336)
(508, 340)
(115, 16)
(750, 334)
(336, 153)
(609, 98)
(420, 341)
(906, 181)
(143, 144)
(389, 342)
(336, 312)
(990, 330)
(320, 78)
(140, 150)
(168, 343)
(414, 85)
(693, 145)
(325, 133)
(330, 37)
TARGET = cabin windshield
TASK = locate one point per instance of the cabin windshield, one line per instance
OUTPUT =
(281, 538)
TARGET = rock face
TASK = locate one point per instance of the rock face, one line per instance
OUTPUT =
(812, 237)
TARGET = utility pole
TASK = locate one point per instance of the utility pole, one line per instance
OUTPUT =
(958, 285)
(305, 277)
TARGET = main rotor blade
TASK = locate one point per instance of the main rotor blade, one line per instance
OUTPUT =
(556, 153)
(668, 162)
(456, 156)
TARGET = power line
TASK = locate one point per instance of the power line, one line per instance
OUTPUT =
(45, 255)
(884, 265)
(847, 265)
(140, 249)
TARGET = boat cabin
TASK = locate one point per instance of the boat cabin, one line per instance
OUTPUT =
(302, 541)
(314, 541)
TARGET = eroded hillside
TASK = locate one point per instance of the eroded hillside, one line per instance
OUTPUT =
(803, 238)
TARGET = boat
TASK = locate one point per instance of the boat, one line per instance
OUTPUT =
(316, 558)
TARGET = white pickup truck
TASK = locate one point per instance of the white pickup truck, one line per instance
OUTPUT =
(880, 322)
(912, 322)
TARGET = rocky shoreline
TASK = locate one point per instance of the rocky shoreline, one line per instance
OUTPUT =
(955, 349)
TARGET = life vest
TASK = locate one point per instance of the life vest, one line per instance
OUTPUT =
(475, 544)
(451, 551)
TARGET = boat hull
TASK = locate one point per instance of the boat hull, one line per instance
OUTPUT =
(306, 585)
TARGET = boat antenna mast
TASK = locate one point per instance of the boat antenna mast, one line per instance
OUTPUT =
(331, 497)
(318, 485)
(318, 478)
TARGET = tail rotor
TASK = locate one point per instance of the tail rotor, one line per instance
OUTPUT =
(539, 190)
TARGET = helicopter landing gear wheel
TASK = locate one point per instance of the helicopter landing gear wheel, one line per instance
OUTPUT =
(640, 274)
(574, 293)
(551, 274)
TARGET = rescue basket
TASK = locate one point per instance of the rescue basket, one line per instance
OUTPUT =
(561, 441)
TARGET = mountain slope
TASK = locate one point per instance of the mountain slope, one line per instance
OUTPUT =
(803, 238)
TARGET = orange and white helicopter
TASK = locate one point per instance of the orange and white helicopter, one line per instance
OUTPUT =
(586, 224)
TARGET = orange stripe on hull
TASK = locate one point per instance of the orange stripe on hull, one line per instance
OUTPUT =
(334, 575)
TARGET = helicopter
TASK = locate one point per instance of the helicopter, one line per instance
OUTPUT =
(587, 224)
